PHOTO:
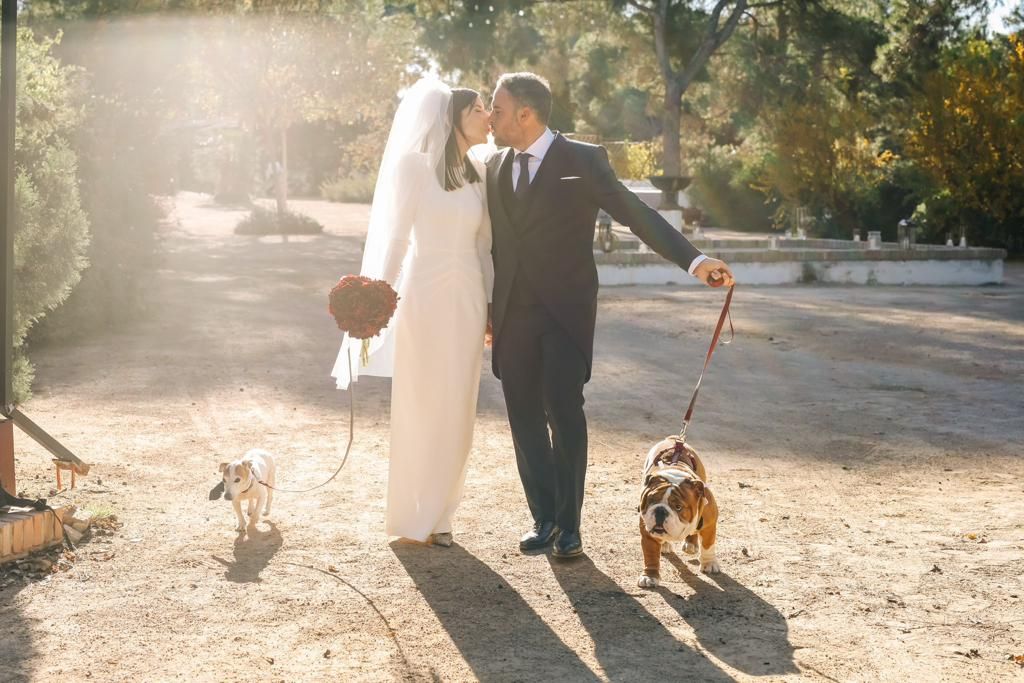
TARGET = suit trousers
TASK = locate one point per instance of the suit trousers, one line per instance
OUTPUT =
(542, 377)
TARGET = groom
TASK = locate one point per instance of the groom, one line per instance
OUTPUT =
(544, 193)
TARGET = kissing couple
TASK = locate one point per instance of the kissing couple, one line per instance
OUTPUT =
(503, 243)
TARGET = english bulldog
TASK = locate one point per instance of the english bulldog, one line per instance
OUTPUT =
(676, 505)
(242, 482)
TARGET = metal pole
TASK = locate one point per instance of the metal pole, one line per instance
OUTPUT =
(8, 50)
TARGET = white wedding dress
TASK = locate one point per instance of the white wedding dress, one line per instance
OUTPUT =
(441, 247)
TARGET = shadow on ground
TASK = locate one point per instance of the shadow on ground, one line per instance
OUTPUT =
(634, 645)
(253, 552)
(498, 634)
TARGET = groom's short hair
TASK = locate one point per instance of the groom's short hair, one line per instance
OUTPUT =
(530, 90)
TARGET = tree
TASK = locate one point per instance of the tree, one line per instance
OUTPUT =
(821, 157)
(469, 36)
(790, 107)
(917, 34)
(51, 231)
(681, 59)
(128, 82)
(274, 68)
(968, 136)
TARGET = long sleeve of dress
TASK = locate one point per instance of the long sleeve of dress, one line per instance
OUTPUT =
(406, 194)
(485, 240)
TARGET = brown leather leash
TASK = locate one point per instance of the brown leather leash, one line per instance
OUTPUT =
(681, 437)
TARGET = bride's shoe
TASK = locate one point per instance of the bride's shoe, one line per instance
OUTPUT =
(444, 540)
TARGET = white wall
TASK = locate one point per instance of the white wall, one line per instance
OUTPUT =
(916, 272)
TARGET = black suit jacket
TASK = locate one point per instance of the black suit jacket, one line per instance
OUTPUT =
(550, 241)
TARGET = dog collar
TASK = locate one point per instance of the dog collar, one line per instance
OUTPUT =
(250, 485)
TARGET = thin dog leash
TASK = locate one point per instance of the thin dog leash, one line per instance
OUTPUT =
(351, 434)
(681, 437)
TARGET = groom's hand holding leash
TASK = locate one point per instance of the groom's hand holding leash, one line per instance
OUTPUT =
(714, 273)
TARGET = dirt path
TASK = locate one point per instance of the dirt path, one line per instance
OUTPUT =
(865, 446)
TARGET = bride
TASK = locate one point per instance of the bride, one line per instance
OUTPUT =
(430, 238)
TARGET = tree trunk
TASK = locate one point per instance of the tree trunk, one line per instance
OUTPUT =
(282, 175)
(670, 138)
(676, 83)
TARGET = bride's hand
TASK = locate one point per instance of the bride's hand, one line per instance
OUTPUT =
(489, 332)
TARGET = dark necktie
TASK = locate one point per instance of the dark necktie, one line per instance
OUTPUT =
(523, 184)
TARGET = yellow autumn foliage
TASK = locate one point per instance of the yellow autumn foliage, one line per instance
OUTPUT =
(968, 131)
(822, 156)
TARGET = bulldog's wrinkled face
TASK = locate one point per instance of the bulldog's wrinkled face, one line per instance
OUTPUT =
(670, 508)
(238, 476)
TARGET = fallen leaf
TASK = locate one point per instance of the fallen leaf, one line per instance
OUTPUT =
(332, 569)
(1018, 659)
(327, 653)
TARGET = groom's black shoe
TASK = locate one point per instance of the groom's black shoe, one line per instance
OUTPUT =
(541, 536)
(569, 544)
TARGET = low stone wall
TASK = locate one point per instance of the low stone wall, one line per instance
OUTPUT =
(815, 261)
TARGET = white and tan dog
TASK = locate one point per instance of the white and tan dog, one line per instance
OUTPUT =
(676, 505)
(242, 482)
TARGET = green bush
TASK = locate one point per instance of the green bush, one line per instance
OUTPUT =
(634, 160)
(129, 145)
(263, 221)
(52, 231)
(722, 189)
(356, 189)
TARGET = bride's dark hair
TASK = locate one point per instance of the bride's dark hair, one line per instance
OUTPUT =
(458, 170)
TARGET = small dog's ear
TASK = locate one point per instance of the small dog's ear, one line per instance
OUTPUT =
(698, 486)
(251, 464)
(223, 466)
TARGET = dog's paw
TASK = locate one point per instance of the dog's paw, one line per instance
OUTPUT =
(240, 527)
(648, 581)
(667, 549)
(690, 548)
(710, 566)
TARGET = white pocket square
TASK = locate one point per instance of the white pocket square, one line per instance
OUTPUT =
(570, 177)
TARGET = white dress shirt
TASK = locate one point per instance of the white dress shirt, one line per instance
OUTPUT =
(537, 151)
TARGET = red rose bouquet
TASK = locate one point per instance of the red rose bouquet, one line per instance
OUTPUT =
(362, 307)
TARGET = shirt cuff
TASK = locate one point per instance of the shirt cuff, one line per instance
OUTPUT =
(696, 262)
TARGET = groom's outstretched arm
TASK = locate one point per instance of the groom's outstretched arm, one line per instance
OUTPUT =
(646, 223)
